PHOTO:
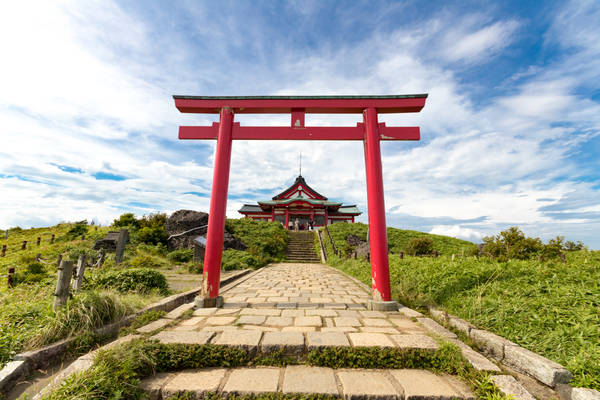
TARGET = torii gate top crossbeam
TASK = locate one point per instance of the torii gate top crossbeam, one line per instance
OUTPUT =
(309, 104)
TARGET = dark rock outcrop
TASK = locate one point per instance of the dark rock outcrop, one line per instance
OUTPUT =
(193, 223)
(354, 240)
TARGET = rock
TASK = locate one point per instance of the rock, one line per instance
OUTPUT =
(362, 250)
(182, 221)
(354, 240)
(231, 242)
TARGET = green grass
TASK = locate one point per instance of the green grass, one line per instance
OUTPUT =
(551, 308)
(398, 239)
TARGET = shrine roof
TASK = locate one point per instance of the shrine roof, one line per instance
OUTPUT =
(348, 210)
(293, 199)
(299, 181)
(250, 208)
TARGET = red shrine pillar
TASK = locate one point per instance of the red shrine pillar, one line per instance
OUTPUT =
(377, 229)
(218, 208)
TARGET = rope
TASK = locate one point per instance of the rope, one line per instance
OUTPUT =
(188, 231)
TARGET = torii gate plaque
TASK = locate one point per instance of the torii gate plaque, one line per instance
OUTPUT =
(369, 131)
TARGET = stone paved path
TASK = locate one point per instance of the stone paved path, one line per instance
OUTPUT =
(298, 308)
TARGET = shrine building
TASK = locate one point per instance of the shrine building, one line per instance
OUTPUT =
(301, 202)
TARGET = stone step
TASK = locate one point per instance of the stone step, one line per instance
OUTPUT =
(383, 384)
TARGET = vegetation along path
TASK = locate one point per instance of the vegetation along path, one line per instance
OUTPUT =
(287, 329)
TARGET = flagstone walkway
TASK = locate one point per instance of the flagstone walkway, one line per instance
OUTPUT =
(298, 308)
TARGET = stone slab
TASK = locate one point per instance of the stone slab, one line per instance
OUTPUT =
(155, 325)
(12, 372)
(478, 361)
(251, 320)
(316, 340)
(584, 394)
(219, 321)
(491, 343)
(292, 342)
(346, 321)
(376, 322)
(409, 312)
(205, 311)
(179, 311)
(460, 324)
(185, 337)
(511, 387)
(192, 321)
(252, 380)
(541, 368)
(421, 384)
(413, 341)
(434, 327)
(367, 385)
(370, 340)
(378, 329)
(244, 338)
(261, 311)
(303, 379)
(308, 321)
(279, 321)
(153, 385)
(197, 382)
(438, 314)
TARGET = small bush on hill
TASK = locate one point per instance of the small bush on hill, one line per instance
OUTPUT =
(126, 220)
(147, 261)
(181, 256)
(33, 273)
(132, 280)
(76, 231)
(419, 246)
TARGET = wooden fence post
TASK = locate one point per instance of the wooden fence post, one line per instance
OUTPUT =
(38, 256)
(24, 245)
(82, 237)
(39, 240)
(9, 280)
(3, 250)
(52, 239)
(435, 254)
(65, 272)
(121, 241)
(562, 257)
(79, 273)
(58, 261)
(401, 255)
(102, 256)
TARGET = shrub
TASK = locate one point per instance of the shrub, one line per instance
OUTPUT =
(267, 241)
(181, 256)
(194, 267)
(83, 313)
(133, 280)
(151, 235)
(146, 261)
(419, 246)
(237, 259)
(79, 229)
(33, 273)
(126, 220)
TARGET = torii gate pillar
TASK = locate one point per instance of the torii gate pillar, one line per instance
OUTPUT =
(370, 132)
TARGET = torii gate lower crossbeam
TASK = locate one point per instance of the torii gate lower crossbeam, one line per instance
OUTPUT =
(370, 131)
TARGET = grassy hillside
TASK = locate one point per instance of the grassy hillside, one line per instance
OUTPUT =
(548, 307)
(398, 239)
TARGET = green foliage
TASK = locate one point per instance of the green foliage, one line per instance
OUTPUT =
(266, 241)
(81, 314)
(237, 259)
(147, 261)
(548, 307)
(141, 320)
(181, 256)
(419, 246)
(125, 221)
(447, 358)
(155, 250)
(132, 280)
(194, 267)
(34, 272)
(275, 358)
(76, 231)
(512, 244)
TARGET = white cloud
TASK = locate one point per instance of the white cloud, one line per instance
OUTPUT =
(458, 232)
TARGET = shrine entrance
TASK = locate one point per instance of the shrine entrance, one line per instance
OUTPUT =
(370, 132)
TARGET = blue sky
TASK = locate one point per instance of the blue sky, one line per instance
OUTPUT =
(510, 133)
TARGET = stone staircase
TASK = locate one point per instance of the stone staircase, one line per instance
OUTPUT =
(301, 248)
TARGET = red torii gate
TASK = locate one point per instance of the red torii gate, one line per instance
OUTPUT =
(369, 131)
